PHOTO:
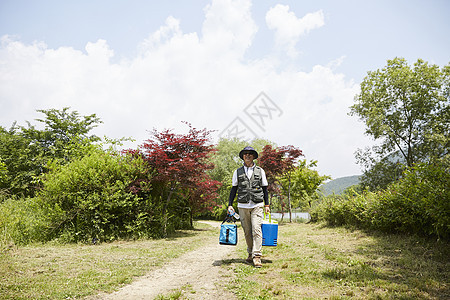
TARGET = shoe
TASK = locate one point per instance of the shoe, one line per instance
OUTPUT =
(249, 259)
(257, 261)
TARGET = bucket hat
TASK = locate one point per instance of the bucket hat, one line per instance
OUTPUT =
(248, 149)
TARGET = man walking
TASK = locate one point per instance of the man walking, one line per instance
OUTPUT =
(250, 183)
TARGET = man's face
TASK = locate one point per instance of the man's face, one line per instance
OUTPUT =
(248, 158)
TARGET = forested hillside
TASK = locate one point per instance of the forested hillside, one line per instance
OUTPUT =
(338, 185)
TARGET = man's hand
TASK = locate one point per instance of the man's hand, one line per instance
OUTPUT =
(230, 210)
(267, 210)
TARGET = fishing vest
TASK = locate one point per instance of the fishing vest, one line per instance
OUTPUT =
(250, 189)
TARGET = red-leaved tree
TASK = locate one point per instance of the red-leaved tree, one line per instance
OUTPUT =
(278, 162)
(180, 164)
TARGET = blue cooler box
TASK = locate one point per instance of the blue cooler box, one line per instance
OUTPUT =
(269, 234)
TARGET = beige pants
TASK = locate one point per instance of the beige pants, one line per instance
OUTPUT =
(251, 220)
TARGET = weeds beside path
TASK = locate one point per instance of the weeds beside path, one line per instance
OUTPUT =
(310, 262)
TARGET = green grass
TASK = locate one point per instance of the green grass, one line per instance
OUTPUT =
(315, 262)
(53, 271)
(310, 262)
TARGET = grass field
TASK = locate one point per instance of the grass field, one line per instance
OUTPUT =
(316, 262)
(310, 262)
(52, 271)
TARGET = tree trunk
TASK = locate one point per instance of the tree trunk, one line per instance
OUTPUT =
(164, 233)
(289, 199)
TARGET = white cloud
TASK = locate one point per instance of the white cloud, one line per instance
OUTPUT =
(288, 28)
(228, 27)
(181, 76)
(170, 29)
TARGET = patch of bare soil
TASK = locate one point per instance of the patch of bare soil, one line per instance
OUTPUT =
(197, 273)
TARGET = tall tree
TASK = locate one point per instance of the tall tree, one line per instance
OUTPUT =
(18, 156)
(26, 151)
(305, 181)
(181, 162)
(226, 160)
(278, 162)
(63, 132)
(406, 109)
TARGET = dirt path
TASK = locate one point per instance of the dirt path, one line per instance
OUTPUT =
(197, 272)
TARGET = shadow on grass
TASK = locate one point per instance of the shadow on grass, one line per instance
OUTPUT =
(182, 234)
(404, 265)
(202, 229)
(418, 264)
(232, 261)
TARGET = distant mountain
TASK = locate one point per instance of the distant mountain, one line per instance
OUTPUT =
(338, 185)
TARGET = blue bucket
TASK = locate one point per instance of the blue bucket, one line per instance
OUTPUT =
(269, 232)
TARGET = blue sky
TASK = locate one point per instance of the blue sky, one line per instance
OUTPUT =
(141, 65)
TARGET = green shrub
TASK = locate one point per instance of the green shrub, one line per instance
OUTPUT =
(100, 197)
(22, 221)
(329, 210)
(3, 173)
(418, 203)
(220, 212)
